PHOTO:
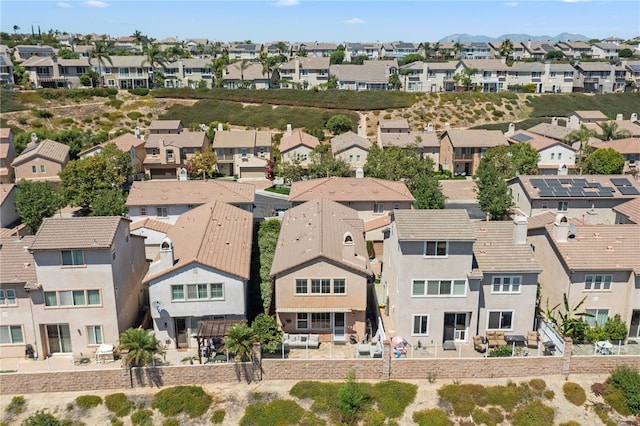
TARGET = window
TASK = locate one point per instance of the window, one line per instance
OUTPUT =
(597, 282)
(378, 207)
(420, 325)
(545, 205)
(321, 286)
(600, 316)
(396, 206)
(162, 212)
(183, 292)
(34, 169)
(302, 286)
(302, 320)
(188, 71)
(321, 320)
(177, 292)
(66, 298)
(143, 211)
(169, 155)
(438, 288)
(339, 286)
(436, 248)
(217, 290)
(506, 285)
(357, 157)
(500, 320)
(243, 152)
(11, 334)
(72, 257)
(8, 297)
(42, 168)
(94, 335)
(559, 156)
(563, 206)
(553, 74)
(351, 158)
(107, 70)
(553, 155)
(111, 82)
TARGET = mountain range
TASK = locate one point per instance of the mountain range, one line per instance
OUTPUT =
(512, 37)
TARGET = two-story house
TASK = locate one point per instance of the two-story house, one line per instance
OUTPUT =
(351, 148)
(23, 52)
(89, 283)
(424, 143)
(578, 118)
(575, 49)
(124, 72)
(435, 77)
(461, 150)
(8, 214)
(41, 161)
(6, 67)
(52, 72)
(304, 72)
(490, 75)
(314, 48)
(371, 75)
(129, 143)
(7, 155)
(243, 153)
(296, 146)
(244, 51)
(547, 77)
(599, 77)
(201, 272)
(189, 72)
(245, 74)
(167, 154)
(321, 271)
(554, 157)
(353, 50)
(628, 147)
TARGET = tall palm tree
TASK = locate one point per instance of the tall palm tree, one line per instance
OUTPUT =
(458, 48)
(506, 48)
(141, 346)
(243, 65)
(436, 49)
(15, 29)
(281, 48)
(137, 34)
(582, 135)
(239, 341)
(154, 56)
(100, 52)
(427, 49)
(219, 65)
(610, 131)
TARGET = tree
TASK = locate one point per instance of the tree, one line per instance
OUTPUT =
(492, 191)
(554, 54)
(324, 164)
(464, 78)
(337, 57)
(36, 201)
(569, 321)
(351, 399)
(141, 346)
(267, 240)
(427, 49)
(394, 82)
(85, 80)
(154, 56)
(16, 29)
(100, 52)
(218, 65)
(202, 164)
(137, 35)
(242, 65)
(396, 163)
(458, 49)
(610, 131)
(582, 135)
(268, 332)
(42, 418)
(239, 341)
(291, 171)
(412, 57)
(604, 161)
(512, 160)
(339, 124)
(359, 60)
(625, 53)
(506, 48)
(109, 202)
(427, 192)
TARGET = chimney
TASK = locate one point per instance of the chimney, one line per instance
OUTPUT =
(512, 129)
(447, 126)
(561, 228)
(360, 131)
(554, 121)
(297, 65)
(34, 141)
(429, 127)
(619, 117)
(520, 229)
(591, 217)
(288, 132)
(634, 116)
(220, 127)
(136, 132)
(348, 247)
(359, 173)
(166, 260)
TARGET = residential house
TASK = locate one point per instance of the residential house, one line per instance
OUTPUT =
(518, 53)
(628, 147)
(89, 283)
(6, 68)
(538, 49)
(242, 153)
(129, 43)
(593, 265)
(24, 52)
(7, 155)
(400, 50)
(424, 143)
(249, 75)
(321, 271)
(166, 127)
(166, 43)
(316, 49)
(461, 150)
(608, 50)
(296, 146)
(200, 47)
(353, 50)
(244, 51)
(554, 157)
(477, 50)
(166, 200)
(8, 214)
(41, 161)
(599, 77)
(590, 198)
(189, 72)
(154, 231)
(351, 148)
(397, 126)
(490, 75)
(629, 212)
(127, 142)
(575, 49)
(55, 72)
(201, 272)
(551, 130)
(633, 73)
(578, 118)
(371, 75)
(304, 72)
(125, 72)
(547, 77)
(632, 126)
(167, 154)
(428, 77)
(275, 48)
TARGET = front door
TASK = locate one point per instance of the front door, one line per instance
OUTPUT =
(181, 333)
(456, 326)
(339, 328)
(634, 327)
(58, 338)
(467, 169)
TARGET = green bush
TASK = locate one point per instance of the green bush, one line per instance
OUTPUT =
(218, 416)
(88, 401)
(534, 413)
(501, 351)
(549, 394)
(171, 422)
(497, 113)
(42, 418)
(17, 405)
(40, 113)
(433, 417)
(463, 398)
(507, 396)
(118, 404)
(116, 422)
(492, 417)
(615, 328)
(142, 417)
(277, 412)
(352, 399)
(569, 423)
(595, 334)
(394, 397)
(574, 393)
(626, 397)
(192, 400)
(140, 91)
(537, 385)
(134, 115)
(115, 103)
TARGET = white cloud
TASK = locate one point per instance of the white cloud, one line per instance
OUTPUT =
(511, 4)
(574, 1)
(95, 3)
(354, 21)
(63, 5)
(285, 3)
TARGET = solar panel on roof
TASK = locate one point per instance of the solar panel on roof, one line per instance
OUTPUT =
(620, 182)
(628, 190)
(520, 137)
(580, 182)
(545, 193)
(539, 183)
(565, 181)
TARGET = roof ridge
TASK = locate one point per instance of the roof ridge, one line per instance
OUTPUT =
(382, 182)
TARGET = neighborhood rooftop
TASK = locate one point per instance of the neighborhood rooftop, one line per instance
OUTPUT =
(344, 189)
(76, 233)
(447, 225)
(495, 251)
(171, 192)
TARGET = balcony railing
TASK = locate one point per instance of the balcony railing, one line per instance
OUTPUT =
(463, 157)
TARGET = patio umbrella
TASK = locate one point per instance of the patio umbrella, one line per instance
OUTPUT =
(398, 341)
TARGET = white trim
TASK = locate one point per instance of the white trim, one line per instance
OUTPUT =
(413, 319)
(513, 316)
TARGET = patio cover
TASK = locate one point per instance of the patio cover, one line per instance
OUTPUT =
(208, 329)
(311, 309)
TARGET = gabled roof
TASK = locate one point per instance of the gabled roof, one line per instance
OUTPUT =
(593, 66)
(241, 139)
(623, 146)
(485, 64)
(589, 115)
(94, 232)
(400, 123)
(122, 61)
(253, 71)
(369, 71)
(552, 131)
(5, 132)
(16, 261)
(633, 127)
(475, 138)
(444, 66)
(538, 142)
(152, 224)
(421, 225)
(587, 187)
(169, 192)
(308, 63)
(179, 140)
(420, 139)
(347, 140)
(344, 189)
(495, 250)
(297, 138)
(630, 209)
(165, 125)
(51, 150)
(316, 229)
(217, 235)
(123, 142)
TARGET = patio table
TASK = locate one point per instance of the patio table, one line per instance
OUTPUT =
(518, 339)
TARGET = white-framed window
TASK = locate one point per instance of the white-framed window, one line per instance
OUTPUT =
(70, 298)
(545, 205)
(396, 206)
(500, 320)
(302, 286)
(553, 155)
(559, 156)
(94, 335)
(34, 169)
(437, 288)
(320, 286)
(72, 257)
(436, 248)
(8, 297)
(302, 321)
(143, 211)
(378, 207)
(111, 83)
(162, 212)
(563, 206)
(42, 168)
(506, 284)
(107, 70)
(188, 71)
(202, 291)
(169, 155)
(597, 282)
(11, 335)
(599, 316)
(243, 152)
(420, 325)
(351, 158)
(320, 320)
(339, 286)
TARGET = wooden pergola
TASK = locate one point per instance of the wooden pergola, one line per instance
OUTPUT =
(214, 328)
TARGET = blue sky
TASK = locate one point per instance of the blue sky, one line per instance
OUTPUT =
(325, 20)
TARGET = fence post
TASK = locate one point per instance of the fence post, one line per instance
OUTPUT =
(568, 349)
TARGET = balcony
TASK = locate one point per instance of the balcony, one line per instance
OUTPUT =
(463, 157)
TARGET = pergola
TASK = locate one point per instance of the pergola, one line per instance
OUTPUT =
(214, 328)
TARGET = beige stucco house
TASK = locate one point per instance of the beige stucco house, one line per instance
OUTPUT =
(242, 153)
(41, 161)
(628, 147)
(554, 157)
(7, 155)
(167, 154)
(351, 148)
(296, 146)
(461, 150)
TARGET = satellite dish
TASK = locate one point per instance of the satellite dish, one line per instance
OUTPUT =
(157, 305)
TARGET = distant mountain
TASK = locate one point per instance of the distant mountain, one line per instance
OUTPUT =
(512, 37)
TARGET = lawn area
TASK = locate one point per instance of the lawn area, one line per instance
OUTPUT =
(560, 105)
(279, 189)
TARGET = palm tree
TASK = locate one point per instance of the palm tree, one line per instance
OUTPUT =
(141, 346)
(427, 49)
(281, 48)
(15, 29)
(100, 52)
(239, 341)
(436, 49)
(582, 135)
(506, 48)
(243, 65)
(458, 48)
(154, 56)
(137, 34)
(610, 131)
(219, 65)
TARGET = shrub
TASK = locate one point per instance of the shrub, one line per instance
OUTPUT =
(17, 405)
(115, 103)
(276, 412)
(118, 404)
(140, 91)
(507, 396)
(615, 328)
(497, 113)
(597, 388)
(192, 400)
(142, 417)
(352, 398)
(171, 422)
(134, 115)
(116, 422)
(549, 394)
(218, 416)
(627, 381)
(534, 413)
(595, 334)
(42, 418)
(463, 398)
(394, 397)
(370, 251)
(537, 385)
(569, 423)
(491, 417)
(433, 417)
(574, 393)
(88, 401)
(602, 411)
(501, 351)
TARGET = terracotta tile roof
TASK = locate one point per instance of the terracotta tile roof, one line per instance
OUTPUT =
(241, 139)
(623, 146)
(315, 230)
(95, 232)
(604, 185)
(630, 209)
(377, 222)
(486, 64)
(180, 140)
(5, 132)
(308, 63)
(450, 224)
(123, 142)
(633, 127)
(51, 150)
(348, 140)
(343, 189)
(137, 61)
(253, 71)
(11, 232)
(495, 251)
(600, 248)
(169, 192)
(369, 71)
(541, 220)
(539, 142)
(475, 138)
(217, 235)
(297, 138)
(550, 130)
(5, 190)
(16, 261)
(445, 66)
(400, 123)
(427, 139)
(165, 125)
(153, 224)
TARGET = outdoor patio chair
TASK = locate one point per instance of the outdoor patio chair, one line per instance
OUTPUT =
(480, 344)
(532, 339)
